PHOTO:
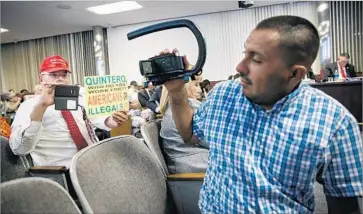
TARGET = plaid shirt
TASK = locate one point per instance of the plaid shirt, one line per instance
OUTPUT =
(266, 161)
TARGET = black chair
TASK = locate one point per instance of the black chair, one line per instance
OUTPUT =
(185, 187)
(11, 165)
(15, 166)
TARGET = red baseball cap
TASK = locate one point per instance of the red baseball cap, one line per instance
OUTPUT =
(53, 64)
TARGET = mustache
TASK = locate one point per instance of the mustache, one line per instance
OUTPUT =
(246, 79)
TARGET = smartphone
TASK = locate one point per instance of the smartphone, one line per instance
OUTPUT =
(66, 97)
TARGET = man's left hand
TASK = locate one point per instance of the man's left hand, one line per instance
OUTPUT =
(117, 119)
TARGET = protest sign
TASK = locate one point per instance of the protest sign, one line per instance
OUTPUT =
(105, 94)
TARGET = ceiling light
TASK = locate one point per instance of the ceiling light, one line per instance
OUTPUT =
(64, 6)
(116, 7)
(3, 30)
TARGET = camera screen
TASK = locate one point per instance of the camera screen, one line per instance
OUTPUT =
(147, 67)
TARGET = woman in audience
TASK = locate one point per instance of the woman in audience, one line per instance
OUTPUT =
(198, 79)
(181, 157)
(12, 103)
(204, 85)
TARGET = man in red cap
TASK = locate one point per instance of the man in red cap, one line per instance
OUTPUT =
(53, 137)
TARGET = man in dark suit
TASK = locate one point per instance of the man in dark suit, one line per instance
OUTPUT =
(154, 101)
(342, 65)
(145, 94)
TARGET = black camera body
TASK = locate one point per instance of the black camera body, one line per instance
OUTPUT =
(161, 64)
(165, 67)
(168, 66)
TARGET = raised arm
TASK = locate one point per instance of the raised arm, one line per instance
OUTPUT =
(182, 113)
(28, 121)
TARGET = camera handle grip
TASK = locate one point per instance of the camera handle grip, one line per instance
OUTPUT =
(177, 24)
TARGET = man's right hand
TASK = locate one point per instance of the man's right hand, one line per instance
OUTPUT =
(46, 100)
(182, 113)
(47, 96)
(175, 85)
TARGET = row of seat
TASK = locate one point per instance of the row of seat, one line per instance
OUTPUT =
(118, 175)
(124, 175)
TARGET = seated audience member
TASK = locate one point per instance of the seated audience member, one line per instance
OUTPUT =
(137, 120)
(145, 94)
(342, 66)
(37, 92)
(271, 135)
(2, 102)
(181, 157)
(5, 129)
(204, 85)
(154, 100)
(310, 74)
(23, 93)
(53, 137)
(198, 79)
(38, 89)
(11, 103)
(132, 94)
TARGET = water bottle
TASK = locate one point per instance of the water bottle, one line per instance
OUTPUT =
(336, 75)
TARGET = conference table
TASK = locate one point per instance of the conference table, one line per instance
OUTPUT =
(347, 93)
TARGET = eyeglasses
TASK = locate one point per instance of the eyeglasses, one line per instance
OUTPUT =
(56, 76)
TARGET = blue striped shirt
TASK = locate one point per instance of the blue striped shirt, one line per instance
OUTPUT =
(266, 161)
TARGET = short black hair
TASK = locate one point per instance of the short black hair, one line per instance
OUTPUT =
(299, 39)
(345, 55)
(204, 83)
(23, 90)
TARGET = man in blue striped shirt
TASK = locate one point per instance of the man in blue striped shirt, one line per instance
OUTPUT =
(270, 135)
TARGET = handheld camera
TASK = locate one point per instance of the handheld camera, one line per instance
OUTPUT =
(165, 67)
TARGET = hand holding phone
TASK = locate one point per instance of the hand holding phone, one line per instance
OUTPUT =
(47, 96)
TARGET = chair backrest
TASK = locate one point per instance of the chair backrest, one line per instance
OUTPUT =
(35, 195)
(119, 175)
(151, 134)
(11, 165)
